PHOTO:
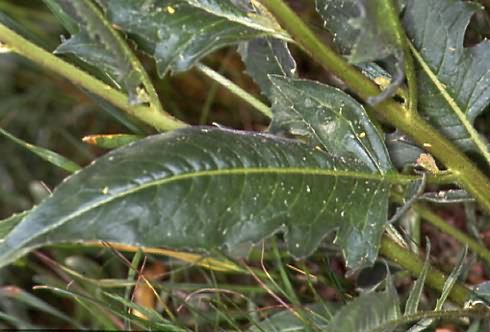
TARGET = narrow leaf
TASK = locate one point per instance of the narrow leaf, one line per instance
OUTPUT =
(452, 279)
(453, 80)
(50, 156)
(22, 296)
(446, 289)
(207, 188)
(178, 33)
(413, 301)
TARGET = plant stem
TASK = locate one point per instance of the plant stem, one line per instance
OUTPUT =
(18, 44)
(469, 177)
(119, 45)
(443, 226)
(411, 262)
(235, 89)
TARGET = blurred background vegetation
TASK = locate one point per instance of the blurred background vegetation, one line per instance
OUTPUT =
(48, 111)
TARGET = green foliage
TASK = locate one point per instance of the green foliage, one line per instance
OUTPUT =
(319, 179)
(453, 80)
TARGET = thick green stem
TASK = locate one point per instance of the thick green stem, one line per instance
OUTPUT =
(469, 177)
(18, 44)
(411, 262)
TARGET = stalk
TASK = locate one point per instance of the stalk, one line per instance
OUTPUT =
(153, 117)
(468, 176)
(435, 279)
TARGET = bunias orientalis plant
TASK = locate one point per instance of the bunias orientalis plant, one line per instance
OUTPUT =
(325, 164)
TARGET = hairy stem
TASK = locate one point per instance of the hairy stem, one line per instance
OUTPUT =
(18, 44)
(469, 176)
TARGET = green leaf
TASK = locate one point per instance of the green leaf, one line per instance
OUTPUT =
(30, 300)
(8, 224)
(50, 156)
(207, 188)
(413, 300)
(367, 31)
(453, 81)
(98, 44)
(178, 33)
(286, 321)
(367, 312)
(403, 151)
(264, 57)
(448, 285)
(330, 118)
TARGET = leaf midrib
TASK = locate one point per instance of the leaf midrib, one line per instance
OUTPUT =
(393, 178)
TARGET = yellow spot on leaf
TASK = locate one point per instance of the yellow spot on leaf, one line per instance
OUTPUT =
(105, 190)
(170, 10)
(362, 135)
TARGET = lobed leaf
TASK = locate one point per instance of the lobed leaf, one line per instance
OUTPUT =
(330, 118)
(453, 80)
(98, 44)
(207, 188)
(179, 32)
(265, 57)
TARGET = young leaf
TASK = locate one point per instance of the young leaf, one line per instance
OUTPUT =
(264, 57)
(448, 285)
(403, 151)
(413, 300)
(285, 320)
(48, 155)
(179, 32)
(367, 312)
(330, 118)
(453, 80)
(205, 188)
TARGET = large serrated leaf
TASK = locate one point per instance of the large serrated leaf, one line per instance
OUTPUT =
(453, 80)
(180, 32)
(330, 118)
(210, 188)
